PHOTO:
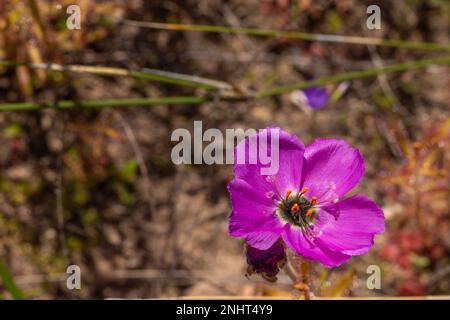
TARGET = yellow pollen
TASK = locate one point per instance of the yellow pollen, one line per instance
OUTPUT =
(304, 189)
(309, 213)
(314, 200)
(288, 193)
(295, 208)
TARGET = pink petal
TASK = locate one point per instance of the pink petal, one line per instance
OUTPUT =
(296, 241)
(253, 216)
(349, 226)
(290, 163)
(332, 169)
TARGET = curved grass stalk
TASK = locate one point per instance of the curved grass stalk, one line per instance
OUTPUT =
(146, 74)
(294, 35)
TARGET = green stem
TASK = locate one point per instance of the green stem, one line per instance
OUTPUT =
(295, 35)
(67, 104)
(89, 104)
(146, 74)
(353, 75)
(8, 282)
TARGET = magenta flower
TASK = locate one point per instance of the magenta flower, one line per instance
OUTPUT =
(303, 204)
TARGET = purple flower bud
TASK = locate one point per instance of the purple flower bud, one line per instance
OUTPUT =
(268, 262)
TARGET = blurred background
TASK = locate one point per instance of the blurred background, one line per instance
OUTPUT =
(97, 188)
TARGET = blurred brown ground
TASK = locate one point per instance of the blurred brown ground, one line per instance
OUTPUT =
(73, 190)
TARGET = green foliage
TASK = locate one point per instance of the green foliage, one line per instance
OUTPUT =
(382, 100)
(334, 21)
(19, 191)
(90, 217)
(128, 172)
(74, 243)
(125, 196)
(13, 130)
(80, 194)
(8, 282)
(420, 261)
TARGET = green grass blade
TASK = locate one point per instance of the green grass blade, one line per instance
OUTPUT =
(347, 76)
(90, 104)
(8, 282)
(145, 74)
(353, 76)
(295, 35)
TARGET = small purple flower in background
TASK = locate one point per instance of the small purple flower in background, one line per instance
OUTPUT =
(310, 98)
(318, 97)
(303, 204)
(268, 262)
(315, 97)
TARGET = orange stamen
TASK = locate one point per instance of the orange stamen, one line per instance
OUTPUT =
(304, 189)
(309, 213)
(288, 193)
(314, 200)
(295, 208)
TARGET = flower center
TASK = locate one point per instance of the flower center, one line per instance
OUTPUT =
(296, 209)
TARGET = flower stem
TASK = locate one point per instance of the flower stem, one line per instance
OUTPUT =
(304, 271)
(297, 269)
(303, 282)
